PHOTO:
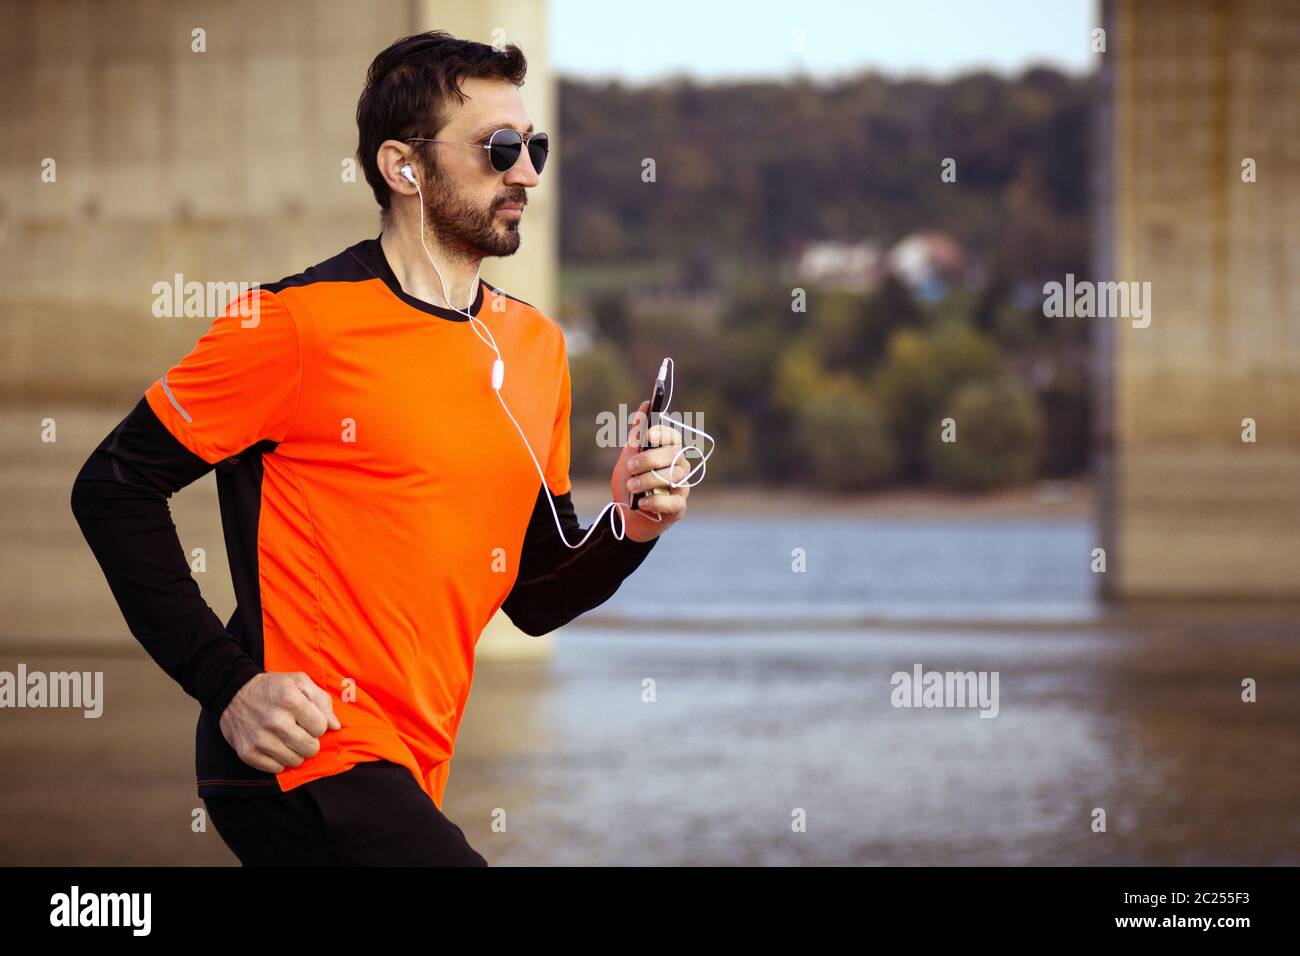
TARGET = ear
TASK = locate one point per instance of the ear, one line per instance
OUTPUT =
(392, 157)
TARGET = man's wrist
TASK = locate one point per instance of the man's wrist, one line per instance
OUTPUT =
(246, 670)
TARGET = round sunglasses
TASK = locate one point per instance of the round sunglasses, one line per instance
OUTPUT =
(505, 147)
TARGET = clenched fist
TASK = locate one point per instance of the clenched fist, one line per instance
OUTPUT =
(274, 720)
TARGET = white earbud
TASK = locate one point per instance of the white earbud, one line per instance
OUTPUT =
(408, 175)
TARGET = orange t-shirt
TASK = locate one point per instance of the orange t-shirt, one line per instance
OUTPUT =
(382, 499)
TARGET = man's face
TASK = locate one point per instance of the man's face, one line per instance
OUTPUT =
(465, 199)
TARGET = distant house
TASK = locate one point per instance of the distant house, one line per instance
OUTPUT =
(930, 264)
(853, 267)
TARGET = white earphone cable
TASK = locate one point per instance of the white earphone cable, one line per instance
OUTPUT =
(498, 377)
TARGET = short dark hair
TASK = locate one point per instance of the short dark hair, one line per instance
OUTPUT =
(409, 85)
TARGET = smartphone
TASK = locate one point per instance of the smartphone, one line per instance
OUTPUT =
(656, 406)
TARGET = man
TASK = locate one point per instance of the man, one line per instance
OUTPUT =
(379, 505)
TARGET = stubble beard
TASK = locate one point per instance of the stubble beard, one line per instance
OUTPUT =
(465, 230)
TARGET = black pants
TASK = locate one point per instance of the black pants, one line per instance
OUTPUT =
(374, 814)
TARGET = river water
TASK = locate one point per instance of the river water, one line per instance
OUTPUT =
(721, 698)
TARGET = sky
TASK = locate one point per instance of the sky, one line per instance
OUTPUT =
(731, 39)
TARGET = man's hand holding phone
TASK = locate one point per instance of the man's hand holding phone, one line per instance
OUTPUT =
(664, 506)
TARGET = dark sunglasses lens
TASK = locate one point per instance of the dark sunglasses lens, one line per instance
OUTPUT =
(507, 144)
(505, 149)
(539, 148)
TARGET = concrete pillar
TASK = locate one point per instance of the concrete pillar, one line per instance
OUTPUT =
(1192, 89)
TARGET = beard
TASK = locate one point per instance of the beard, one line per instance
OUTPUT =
(465, 230)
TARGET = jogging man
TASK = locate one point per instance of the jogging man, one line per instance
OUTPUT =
(379, 505)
